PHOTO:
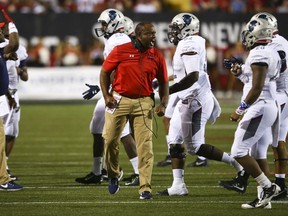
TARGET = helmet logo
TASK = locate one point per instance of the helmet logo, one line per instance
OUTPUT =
(112, 14)
(252, 25)
(187, 19)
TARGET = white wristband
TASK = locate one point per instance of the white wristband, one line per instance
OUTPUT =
(12, 28)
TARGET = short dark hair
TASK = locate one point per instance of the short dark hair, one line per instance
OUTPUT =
(140, 26)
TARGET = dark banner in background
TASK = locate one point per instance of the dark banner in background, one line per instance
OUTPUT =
(219, 28)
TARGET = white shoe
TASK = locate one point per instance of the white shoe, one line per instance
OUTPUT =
(252, 205)
(178, 190)
(267, 194)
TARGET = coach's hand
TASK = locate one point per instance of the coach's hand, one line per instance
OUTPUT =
(91, 92)
(160, 110)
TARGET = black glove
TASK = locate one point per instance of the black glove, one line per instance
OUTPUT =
(91, 92)
(155, 84)
(229, 62)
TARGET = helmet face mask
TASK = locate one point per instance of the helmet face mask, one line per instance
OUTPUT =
(182, 26)
(111, 21)
(257, 31)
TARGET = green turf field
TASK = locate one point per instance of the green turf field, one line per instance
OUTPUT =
(55, 147)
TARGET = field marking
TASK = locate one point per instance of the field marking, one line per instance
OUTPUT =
(135, 202)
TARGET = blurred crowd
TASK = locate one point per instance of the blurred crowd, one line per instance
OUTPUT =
(143, 6)
(53, 52)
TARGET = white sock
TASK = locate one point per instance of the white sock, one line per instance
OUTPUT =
(282, 175)
(178, 176)
(168, 153)
(231, 161)
(7, 168)
(97, 165)
(134, 162)
(263, 181)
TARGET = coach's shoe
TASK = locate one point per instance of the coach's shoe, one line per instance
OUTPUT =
(91, 178)
(267, 194)
(133, 180)
(178, 190)
(146, 195)
(252, 205)
(113, 186)
(165, 162)
(12, 177)
(198, 163)
(238, 184)
(10, 186)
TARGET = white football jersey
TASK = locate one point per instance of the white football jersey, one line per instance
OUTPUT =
(281, 43)
(185, 64)
(115, 40)
(264, 54)
(11, 67)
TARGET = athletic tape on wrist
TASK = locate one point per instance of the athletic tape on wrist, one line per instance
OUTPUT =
(12, 28)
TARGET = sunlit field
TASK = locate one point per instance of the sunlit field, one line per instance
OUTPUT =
(55, 146)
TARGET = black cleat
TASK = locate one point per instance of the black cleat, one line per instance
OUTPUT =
(281, 195)
(234, 185)
(91, 178)
(165, 162)
(198, 163)
(12, 177)
(133, 180)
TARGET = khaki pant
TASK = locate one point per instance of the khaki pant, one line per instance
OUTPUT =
(140, 112)
(4, 177)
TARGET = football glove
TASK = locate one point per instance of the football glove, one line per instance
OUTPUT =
(228, 63)
(91, 92)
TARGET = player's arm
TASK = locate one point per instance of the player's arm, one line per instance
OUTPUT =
(13, 44)
(190, 60)
(22, 71)
(105, 80)
(259, 74)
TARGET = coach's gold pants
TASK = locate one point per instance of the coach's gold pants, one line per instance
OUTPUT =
(140, 113)
(4, 177)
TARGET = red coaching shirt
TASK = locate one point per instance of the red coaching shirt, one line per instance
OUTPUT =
(135, 70)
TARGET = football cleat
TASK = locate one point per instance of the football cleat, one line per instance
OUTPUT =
(252, 205)
(133, 180)
(281, 195)
(179, 190)
(267, 194)
(238, 184)
(91, 178)
(12, 177)
(198, 163)
(165, 162)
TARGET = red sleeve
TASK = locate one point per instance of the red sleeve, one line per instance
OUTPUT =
(112, 60)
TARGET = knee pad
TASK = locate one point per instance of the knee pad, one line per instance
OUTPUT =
(177, 151)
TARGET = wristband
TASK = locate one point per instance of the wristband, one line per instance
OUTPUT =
(242, 108)
(12, 28)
